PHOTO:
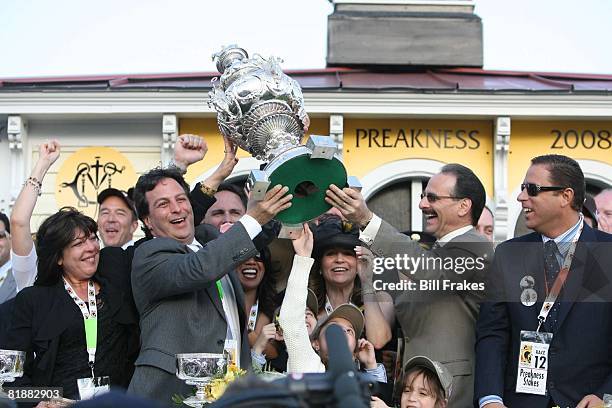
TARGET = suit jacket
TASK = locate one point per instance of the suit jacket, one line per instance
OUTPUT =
(580, 355)
(441, 323)
(180, 310)
(42, 313)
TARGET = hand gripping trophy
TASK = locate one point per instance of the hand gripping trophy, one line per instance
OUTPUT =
(261, 109)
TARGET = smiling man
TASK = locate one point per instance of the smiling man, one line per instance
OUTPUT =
(187, 299)
(229, 206)
(436, 323)
(117, 219)
(567, 263)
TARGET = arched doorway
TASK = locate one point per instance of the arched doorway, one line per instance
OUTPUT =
(393, 191)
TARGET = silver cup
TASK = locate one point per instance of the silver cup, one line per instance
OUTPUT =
(261, 109)
(198, 369)
(11, 366)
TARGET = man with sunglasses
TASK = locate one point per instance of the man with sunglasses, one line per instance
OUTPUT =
(438, 319)
(548, 301)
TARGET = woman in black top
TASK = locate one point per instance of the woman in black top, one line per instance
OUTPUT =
(49, 318)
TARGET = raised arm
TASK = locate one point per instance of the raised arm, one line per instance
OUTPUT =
(189, 149)
(378, 309)
(225, 168)
(21, 235)
(301, 356)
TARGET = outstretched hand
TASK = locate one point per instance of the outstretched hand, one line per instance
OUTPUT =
(365, 264)
(275, 201)
(189, 149)
(365, 354)
(48, 153)
(351, 204)
(304, 242)
(226, 166)
(266, 335)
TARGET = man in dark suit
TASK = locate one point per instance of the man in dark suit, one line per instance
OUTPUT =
(188, 298)
(524, 273)
(438, 319)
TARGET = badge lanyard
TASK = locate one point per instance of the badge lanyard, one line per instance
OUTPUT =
(220, 289)
(328, 307)
(253, 315)
(551, 296)
(90, 318)
(230, 321)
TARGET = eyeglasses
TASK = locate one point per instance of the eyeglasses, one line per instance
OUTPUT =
(433, 197)
(535, 189)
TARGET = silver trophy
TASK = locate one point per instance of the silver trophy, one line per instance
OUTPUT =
(11, 366)
(261, 109)
(198, 369)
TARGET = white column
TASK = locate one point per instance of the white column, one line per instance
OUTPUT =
(336, 131)
(17, 130)
(169, 135)
(502, 132)
(416, 215)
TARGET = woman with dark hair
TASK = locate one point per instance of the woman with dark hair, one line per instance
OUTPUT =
(259, 296)
(343, 273)
(73, 323)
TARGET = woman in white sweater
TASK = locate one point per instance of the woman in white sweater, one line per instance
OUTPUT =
(298, 321)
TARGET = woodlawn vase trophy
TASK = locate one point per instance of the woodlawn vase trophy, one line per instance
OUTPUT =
(261, 110)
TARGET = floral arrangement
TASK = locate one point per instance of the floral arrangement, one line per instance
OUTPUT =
(217, 386)
(219, 383)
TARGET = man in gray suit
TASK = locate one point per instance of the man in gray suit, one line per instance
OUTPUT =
(437, 305)
(186, 292)
(8, 287)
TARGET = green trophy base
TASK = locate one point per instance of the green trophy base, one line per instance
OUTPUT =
(308, 179)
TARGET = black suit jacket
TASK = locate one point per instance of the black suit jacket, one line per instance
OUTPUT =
(42, 313)
(580, 355)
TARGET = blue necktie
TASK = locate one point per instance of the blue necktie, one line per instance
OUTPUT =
(551, 268)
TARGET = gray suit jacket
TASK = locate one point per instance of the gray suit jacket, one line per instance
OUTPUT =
(8, 289)
(180, 310)
(437, 323)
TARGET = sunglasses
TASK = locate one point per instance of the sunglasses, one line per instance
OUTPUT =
(535, 189)
(433, 197)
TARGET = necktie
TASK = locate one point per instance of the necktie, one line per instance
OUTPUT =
(551, 268)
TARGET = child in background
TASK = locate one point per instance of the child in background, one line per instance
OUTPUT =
(427, 384)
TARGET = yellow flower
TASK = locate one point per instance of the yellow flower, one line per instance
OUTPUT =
(215, 389)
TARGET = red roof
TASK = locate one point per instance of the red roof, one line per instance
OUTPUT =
(469, 80)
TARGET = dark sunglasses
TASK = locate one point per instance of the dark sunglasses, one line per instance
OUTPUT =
(433, 197)
(535, 189)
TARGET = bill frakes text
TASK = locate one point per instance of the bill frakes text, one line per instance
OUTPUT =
(426, 285)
